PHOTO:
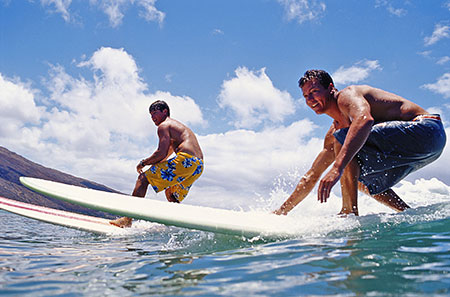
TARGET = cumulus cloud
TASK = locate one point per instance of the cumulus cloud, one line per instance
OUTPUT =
(117, 66)
(442, 86)
(355, 73)
(254, 99)
(245, 163)
(440, 32)
(303, 10)
(17, 106)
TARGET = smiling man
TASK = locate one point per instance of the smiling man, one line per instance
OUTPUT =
(377, 138)
(175, 175)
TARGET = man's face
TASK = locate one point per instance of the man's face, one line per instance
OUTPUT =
(158, 116)
(316, 96)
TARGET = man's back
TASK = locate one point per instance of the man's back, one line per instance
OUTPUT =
(385, 106)
(182, 138)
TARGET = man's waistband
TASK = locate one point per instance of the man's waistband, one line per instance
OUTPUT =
(427, 116)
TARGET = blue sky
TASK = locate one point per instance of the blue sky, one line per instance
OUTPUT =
(76, 79)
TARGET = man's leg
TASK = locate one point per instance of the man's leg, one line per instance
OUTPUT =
(388, 198)
(349, 188)
(349, 184)
(140, 189)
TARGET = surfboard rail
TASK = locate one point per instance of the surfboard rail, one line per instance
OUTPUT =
(58, 217)
(248, 224)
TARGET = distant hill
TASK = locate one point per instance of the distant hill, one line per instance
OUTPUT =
(12, 166)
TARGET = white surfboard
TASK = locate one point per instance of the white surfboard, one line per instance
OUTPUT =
(248, 224)
(59, 217)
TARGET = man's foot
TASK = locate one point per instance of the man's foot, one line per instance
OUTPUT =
(123, 222)
(346, 212)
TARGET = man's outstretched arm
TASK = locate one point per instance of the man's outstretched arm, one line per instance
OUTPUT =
(309, 180)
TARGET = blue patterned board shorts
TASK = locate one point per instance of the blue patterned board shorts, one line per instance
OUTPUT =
(395, 149)
(178, 173)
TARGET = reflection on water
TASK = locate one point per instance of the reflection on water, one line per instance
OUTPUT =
(383, 255)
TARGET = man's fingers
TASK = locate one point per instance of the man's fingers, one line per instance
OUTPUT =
(323, 192)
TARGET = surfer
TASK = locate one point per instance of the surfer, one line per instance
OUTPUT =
(175, 175)
(376, 139)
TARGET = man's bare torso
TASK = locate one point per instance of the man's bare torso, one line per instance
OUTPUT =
(182, 139)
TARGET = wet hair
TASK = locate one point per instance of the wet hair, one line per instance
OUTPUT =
(159, 105)
(321, 75)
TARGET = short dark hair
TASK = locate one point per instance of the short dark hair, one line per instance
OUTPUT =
(159, 105)
(321, 75)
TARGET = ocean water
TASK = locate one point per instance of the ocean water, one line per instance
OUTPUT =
(380, 253)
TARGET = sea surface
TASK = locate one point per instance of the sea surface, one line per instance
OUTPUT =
(380, 253)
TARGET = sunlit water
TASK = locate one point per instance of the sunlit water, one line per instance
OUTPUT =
(379, 253)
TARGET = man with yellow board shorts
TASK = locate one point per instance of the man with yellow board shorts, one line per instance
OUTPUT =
(175, 175)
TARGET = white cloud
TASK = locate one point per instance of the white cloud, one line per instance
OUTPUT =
(355, 73)
(116, 67)
(440, 32)
(443, 60)
(150, 13)
(113, 96)
(245, 163)
(168, 77)
(391, 9)
(303, 10)
(114, 9)
(61, 6)
(218, 32)
(252, 96)
(17, 106)
(426, 54)
(442, 86)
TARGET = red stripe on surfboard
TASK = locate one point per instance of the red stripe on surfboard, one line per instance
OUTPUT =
(60, 213)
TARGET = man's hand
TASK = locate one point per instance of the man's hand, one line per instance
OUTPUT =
(327, 183)
(139, 168)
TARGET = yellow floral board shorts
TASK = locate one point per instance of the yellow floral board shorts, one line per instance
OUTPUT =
(178, 174)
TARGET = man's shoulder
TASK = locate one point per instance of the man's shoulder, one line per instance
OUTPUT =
(175, 125)
(352, 89)
(164, 126)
